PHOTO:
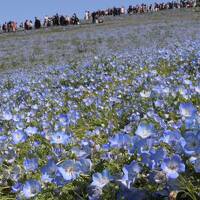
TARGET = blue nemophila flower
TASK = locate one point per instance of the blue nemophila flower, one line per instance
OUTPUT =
(70, 169)
(146, 160)
(17, 187)
(101, 179)
(173, 166)
(3, 138)
(30, 164)
(130, 173)
(31, 131)
(120, 140)
(145, 94)
(73, 116)
(31, 188)
(184, 92)
(174, 139)
(157, 157)
(60, 138)
(97, 131)
(145, 130)
(192, 143)
(145, 145)
(192, 123)
(88, 101)
(49, 172)
(59, 180)
(19, 137)
(153, 159)
(10, 155)
(137, 142)
(79, 152)
(20, 125)
(7, 115)
(127, 129)
(159, 103)
(36, 144)
(63, 118)
(16, 118)
(58, 151)
(86, 165)
(187, 110)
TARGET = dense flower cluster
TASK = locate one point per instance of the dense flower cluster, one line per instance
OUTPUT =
(110, 128)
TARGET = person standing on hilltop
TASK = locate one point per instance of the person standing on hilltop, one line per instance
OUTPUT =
(75, 19)
(30, 25)
(37, 23)
(93, 17)
(14, 26)
(56, 20)
(122, 10)
(87, 15)
(4, 27)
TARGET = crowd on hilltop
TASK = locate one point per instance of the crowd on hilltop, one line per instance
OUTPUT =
(142, 8)
(11, 26)
(99, 13)
(56, 20)
(94, 17)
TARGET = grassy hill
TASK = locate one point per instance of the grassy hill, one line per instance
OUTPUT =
(62, 45)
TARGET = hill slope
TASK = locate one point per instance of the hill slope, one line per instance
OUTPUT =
(61, 45)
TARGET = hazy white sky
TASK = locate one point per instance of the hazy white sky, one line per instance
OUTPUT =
(20, 10)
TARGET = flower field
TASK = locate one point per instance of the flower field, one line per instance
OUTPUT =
(112, 127)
